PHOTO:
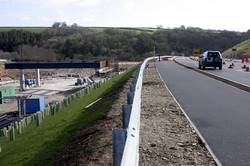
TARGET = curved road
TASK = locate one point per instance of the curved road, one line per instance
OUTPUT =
(219, 111)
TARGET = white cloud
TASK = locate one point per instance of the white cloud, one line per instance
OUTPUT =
(66, 3)
(90, 18)
(216, 14)
(129, 5)
(44, 18)
(24, 17)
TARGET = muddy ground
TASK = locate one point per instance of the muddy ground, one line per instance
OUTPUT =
(166, 137)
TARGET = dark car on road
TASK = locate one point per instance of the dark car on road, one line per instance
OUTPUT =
(210, 59)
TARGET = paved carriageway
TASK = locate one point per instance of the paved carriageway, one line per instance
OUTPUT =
(219, 111)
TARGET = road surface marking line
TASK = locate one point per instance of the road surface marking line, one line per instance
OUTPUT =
(40, 92)
(50, 93)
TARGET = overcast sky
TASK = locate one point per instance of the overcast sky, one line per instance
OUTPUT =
(208, 14)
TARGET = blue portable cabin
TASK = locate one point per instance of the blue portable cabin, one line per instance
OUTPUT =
(33, 104)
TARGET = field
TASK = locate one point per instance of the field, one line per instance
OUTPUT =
(137, 30)
(30, 29)
(38, 145)
(96, 29)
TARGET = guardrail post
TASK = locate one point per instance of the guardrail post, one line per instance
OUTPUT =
(126, 111)
(118, 140)
(130, 97)
(129, 144)
(134, 81)
(132, 88)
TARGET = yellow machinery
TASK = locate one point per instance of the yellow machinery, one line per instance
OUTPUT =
(103, 63)
(111, 64)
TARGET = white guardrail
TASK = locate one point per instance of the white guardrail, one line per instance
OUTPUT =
(131, 149)
(126, 140)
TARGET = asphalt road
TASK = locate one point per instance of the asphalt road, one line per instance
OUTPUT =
(219, 111)
(237, 74)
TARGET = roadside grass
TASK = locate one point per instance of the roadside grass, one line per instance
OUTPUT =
(38, 145)
(72, 150)
(241, 48)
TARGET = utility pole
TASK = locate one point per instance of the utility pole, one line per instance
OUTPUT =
(21, 51)
(234, 53)
(154, 48)
(159, 58)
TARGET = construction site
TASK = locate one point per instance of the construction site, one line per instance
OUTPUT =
(26, 89)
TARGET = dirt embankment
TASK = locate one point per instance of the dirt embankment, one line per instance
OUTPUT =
(166, 137)
(93, 145)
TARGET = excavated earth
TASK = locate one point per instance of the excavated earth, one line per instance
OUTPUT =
(93, 145)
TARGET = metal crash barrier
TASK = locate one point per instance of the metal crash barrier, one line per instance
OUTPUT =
(126, 140)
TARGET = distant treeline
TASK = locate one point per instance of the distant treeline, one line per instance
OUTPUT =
(74, 42)
(10, 40)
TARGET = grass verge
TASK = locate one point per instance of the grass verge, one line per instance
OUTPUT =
(37, 145)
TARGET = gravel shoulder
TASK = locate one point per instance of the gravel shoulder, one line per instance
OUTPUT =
(166, 137)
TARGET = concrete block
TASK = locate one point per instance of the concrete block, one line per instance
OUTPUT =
(19, 128)
(69, 100)
(12, 133)
(5, 132)
(57, 107)
(39, 118)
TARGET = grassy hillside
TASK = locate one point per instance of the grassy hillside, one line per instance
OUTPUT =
(121, 43)
(242, 48)
(30, 29)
